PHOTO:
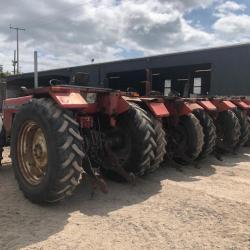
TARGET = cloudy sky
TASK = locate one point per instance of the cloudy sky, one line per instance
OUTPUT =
(72, 32)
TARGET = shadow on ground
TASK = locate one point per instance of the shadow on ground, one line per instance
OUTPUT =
(23, 223)
(241, 156)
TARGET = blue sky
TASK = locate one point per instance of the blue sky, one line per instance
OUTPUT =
(72, 32)
(205, 16)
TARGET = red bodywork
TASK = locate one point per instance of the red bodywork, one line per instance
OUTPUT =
(223, 104)
(207, 105)
(155, 105)
(247, 101)
(158, 109)
(241, 103)
(10, 107)
(179, 107)
(83, 100)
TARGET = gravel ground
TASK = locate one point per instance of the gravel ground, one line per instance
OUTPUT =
(189, 208)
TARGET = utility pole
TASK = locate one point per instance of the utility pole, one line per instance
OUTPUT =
(14, 62)
(35, 70)
(17, 45)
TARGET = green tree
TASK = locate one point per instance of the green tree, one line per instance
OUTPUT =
(5, 74)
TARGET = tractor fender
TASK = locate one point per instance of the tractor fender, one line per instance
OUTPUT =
(69, 100)
(241, 104)
(10, 108)
(158, 109)
(207, 105)
(247, 101)
(223, 105)
(185, 108)
(113, 104)
(154, 105)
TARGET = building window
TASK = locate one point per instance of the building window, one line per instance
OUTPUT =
(197, 86)
(167, 87)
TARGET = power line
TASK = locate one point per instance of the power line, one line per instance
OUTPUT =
(17, 45)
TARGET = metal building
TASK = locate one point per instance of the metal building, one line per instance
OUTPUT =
(215, 71)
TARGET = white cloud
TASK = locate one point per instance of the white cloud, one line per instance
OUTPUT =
(184, 5)
(233, 27)
(67, 33)
(228, 7)
(232, 24)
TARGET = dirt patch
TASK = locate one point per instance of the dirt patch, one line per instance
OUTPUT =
(195, 208)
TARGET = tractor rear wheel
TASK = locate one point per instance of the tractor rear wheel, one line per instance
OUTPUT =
(228, 130)
(46, 151)
(158, 142)
(244, 127)
(161, 143)
(132, 143)
(187, 140)
(209, 131)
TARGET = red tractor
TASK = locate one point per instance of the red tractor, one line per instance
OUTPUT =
(60, 133)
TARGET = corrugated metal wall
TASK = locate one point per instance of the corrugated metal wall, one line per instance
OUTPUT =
(230, 73)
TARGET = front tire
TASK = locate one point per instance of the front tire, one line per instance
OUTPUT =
(46, 151)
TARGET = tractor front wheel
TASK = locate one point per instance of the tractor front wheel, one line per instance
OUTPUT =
(46, 151)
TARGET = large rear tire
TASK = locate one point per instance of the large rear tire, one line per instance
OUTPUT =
(228, 130)
(248, 141)
(135, 145)
(46, 151)
(244, 127)
(188, 139)
(158, 142)
(161, 143)
(209, 131)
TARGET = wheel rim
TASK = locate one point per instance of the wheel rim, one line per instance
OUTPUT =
(32, 153)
